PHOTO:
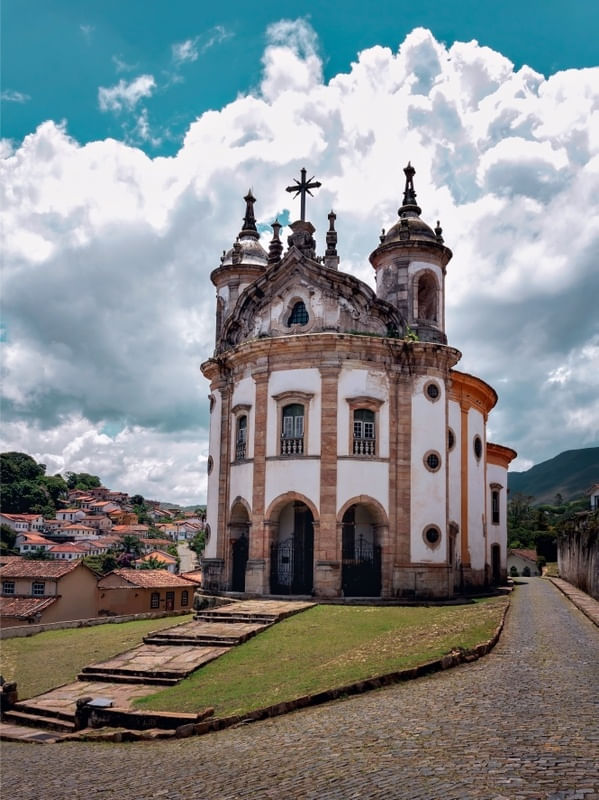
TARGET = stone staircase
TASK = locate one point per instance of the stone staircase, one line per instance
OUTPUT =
(164, 659)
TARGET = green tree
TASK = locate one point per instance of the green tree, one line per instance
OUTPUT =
(38, 555)
(8, 537)
(152, 563)
(82, 480)
(131, 544)
(56, 487)
(23, 497)
(15, 467)
(198, 543)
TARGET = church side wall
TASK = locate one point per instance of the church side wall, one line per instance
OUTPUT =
(300, 380)
(497, 532)
(476, 495)
(428, 502)
(455, 470)
(241, 483)
(355, 382)
(302, 475)
(213, 477)
(358, 478)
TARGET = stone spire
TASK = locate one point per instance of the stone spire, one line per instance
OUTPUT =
(249, 221)
(409, 207)
(276, 245)
(331, 259)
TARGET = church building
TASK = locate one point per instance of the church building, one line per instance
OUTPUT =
(348, 456)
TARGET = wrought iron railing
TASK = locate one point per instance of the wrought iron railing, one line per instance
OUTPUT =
(240, 451)
(292, 447)
(364, 447)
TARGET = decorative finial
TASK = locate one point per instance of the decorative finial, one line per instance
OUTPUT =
(249, 221)
(409, 195)
(439, 233)
(236, 256)
(302, 187)
(331, 259)
(276, 245)
(382, 236)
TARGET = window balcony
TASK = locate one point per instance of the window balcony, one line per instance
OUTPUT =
(364, 447)
(292, 446)
(240, 450)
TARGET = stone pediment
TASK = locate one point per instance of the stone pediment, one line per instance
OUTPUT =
(300, 295)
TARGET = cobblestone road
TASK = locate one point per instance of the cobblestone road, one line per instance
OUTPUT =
(521, 723)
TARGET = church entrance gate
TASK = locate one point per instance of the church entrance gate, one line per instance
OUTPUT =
(361, 556)
(292, 555)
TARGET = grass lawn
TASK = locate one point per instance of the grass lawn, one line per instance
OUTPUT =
(49, 659)
(326, 647)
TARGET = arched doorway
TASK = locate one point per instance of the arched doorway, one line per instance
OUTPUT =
(292, 553)
(360, 553)
(495, 564)
(239, 527)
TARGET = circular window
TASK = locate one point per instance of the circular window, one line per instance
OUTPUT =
(432, 391)
(450, 439)
(432, 460)
(478, 447)
(432, 536)
(210, 464)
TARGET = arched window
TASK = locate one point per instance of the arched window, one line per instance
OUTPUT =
(299, 314)
(292, 430)
(427, 298)
(241, 437)
(364, 432)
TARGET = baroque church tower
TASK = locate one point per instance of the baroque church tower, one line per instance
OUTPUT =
(348, 456)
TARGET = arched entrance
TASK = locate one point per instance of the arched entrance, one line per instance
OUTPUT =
(360, 553)
(495, 564)
(239, 527)
(292, 552)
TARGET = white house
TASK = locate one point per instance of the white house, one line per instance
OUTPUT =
(522, 562)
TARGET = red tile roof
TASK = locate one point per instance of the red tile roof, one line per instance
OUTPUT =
(531, 555)
(195, 576)
(24, 607)
(150, 578)
(32, 568)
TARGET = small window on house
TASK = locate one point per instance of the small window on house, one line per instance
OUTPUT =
(299, 315)
(364, 432)
(155, 600)
(495, 507)
(38, 588)
(241, 437)
(292, 430)
(184, 598)
(8, 587)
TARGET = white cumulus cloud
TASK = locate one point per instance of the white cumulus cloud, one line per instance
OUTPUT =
(125, 95)
(108, 305)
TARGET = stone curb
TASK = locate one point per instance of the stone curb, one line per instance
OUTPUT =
(573, 594)
(447, 661)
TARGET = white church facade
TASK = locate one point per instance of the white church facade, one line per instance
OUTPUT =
(348, 455)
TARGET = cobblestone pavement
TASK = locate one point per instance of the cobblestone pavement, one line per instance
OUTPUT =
(521, 723)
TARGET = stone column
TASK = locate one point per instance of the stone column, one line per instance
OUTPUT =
(400, 490)
(465, 452)
(327, 547)
(257, 577)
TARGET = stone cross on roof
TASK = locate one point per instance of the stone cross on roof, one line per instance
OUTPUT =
(302, 188)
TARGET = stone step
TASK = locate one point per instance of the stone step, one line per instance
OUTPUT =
(41, 711)
(195, 641)
(38, 721)
(140, 671)
(111, 677)
(216, 616)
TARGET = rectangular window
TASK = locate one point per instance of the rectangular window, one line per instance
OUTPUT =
(495, 507)
(288, 427)
(299, 426)
(155, 600)
(184, 597)
(38, 588)
(8, 587)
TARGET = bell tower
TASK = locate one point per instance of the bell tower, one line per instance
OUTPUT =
(410, 265)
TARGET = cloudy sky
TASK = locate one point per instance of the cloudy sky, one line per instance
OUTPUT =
(132, 131)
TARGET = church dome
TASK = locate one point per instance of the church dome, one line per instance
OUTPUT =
(410, 227)
(247, 249)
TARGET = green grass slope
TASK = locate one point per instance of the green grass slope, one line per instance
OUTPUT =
(570, 474)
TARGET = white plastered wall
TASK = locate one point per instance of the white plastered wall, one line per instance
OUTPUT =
(476, 491)
(357, 383)
(455, 471)
(497, 534)
(428, 495)
(241, 484)
(212, 483)
(244, 393)
(362, 477)
(297, 380)
(300, 475)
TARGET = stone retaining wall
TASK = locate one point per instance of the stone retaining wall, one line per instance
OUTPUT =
(31, 630)
(578, 554)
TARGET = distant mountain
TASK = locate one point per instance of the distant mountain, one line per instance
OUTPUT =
(569, 474)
